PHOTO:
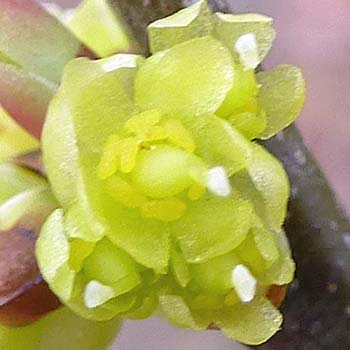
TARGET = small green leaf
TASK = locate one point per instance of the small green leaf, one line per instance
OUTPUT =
(229, 27)
(207, 66)
(191, 22)
(282, 96)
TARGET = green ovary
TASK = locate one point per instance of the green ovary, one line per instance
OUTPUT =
(165, 171)
(151, 164)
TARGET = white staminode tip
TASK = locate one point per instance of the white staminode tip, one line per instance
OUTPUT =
(118, 61)
(96, 294)
(244, 283)
(247, 48)
(218, 182)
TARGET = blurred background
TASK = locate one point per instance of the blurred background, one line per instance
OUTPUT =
(314, 35)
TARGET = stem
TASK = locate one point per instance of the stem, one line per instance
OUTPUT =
(317, 307)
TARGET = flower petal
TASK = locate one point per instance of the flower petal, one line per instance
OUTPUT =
(282, 271)
(266, 184)
(146, 240)
(77, 147)
(177, 311)
(212, 226)
(230, 27)
(191, 22)
(218, 143)
(252, 323)
(282, 96)
(191, 78)
(53, 253)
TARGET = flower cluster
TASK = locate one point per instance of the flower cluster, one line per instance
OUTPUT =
(167, 202)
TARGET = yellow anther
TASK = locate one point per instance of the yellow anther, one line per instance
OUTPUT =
(196, 191)
(124, 193)
(179, 136)
(147, 118)
(110, 158)
(169, 209)
(128, 149)
(153, 133)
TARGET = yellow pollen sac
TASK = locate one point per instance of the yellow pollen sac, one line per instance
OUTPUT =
(169, 209)
(110, 158)
(147, 118)
(153, 133)
(196, 192)
(179, 136)
(128, 149)
(124, 193)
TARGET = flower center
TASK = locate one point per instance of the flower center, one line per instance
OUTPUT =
(151, 165)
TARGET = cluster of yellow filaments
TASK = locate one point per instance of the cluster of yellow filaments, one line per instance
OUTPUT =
(151, 165)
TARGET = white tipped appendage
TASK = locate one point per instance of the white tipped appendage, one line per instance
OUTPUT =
(244, 283)
(247, 49)
(96, 294)
(218, 182)
(118, 61)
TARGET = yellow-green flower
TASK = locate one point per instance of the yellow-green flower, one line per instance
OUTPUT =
(166, 198)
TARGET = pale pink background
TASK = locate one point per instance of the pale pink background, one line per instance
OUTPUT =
(314, 35)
